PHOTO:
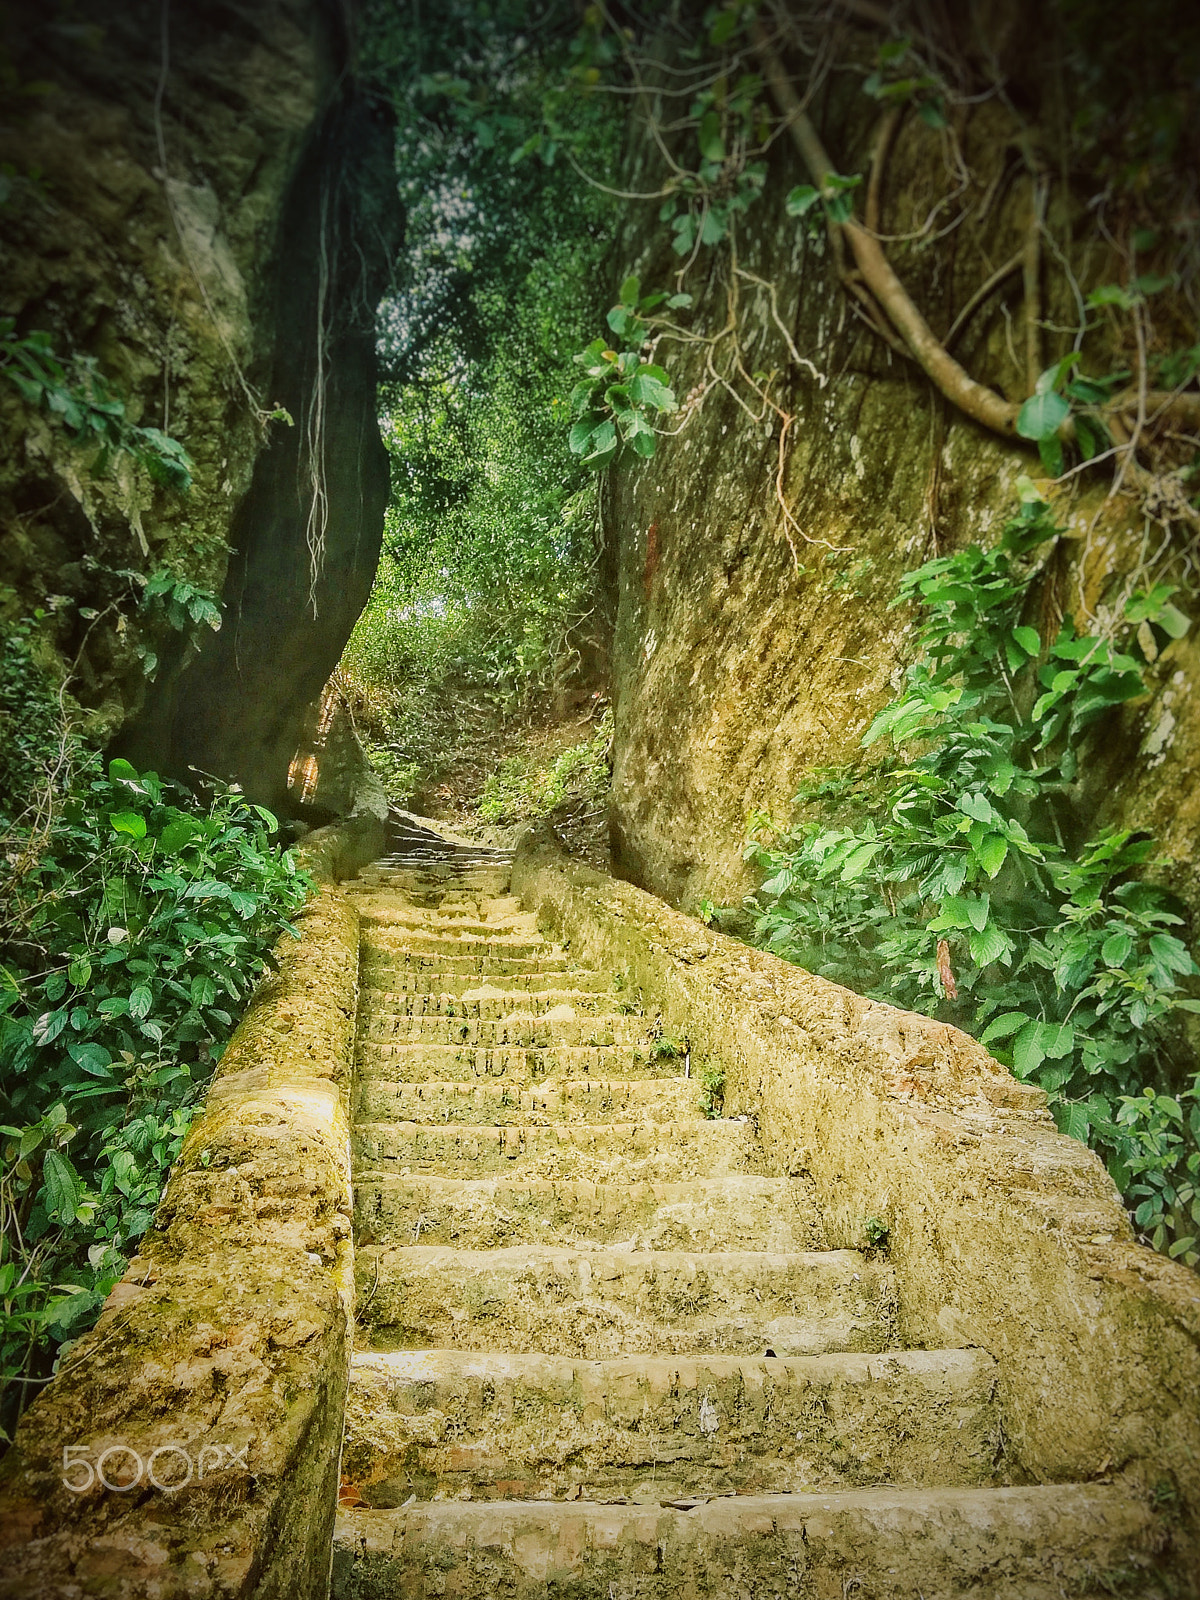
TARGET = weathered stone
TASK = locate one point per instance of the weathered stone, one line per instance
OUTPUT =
(991, 1544)
(1004, 1234)
(447, 1424)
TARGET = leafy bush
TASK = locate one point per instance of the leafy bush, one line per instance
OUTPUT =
(131, 942)
(73, 390)
(946, 878)
(520, 791)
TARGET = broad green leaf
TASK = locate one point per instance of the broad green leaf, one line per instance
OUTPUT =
(120, 771)
(649, 390)
(1057, 1039)
(1028, 1054)
(801, 200)
(1073, 1121)
(859, 859)
(128, 822)
(93, 1059)
(1029, 640)
(1042, 415)
(177, 835)
(712, 145)
(992, 853)
(62, 1186)
(1003, 1027)
(140, 1001)
(992, 944)
(630, 291)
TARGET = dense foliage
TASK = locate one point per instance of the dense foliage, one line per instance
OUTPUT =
(490, 539)
(952, 876)
(134, 922)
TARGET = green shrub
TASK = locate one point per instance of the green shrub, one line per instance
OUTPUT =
(521, 790)
(947, 877)
(132, 939)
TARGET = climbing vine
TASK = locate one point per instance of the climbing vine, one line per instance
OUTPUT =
(714, 101)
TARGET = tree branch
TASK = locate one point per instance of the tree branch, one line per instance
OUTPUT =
(979, 402)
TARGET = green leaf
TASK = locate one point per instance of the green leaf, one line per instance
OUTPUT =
(140, 1001)
(120, 771)
(859, 859)
(1042, 415)
(1028, 1053)
(129, 822)
(1003, 1027)
(630, 291)
(93, 1059)
(1115, 950)
(177, 835)
(1050, 452)
(649, 390)
(62, 1186)
(991, 944)
(1073, 1121)
(992, 853)
(1029, 640)
(712, 145)
(801, 200)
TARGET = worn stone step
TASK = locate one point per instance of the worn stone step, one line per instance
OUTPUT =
(449, 944)
(379, 985)
(451, 1424)
(414, 1063)
(602, 1303)
(384, 1006)
(866, 1544)
(377, 962)
(449, 923)
(619, 1152)
(554, 1100)
(739, 1212)
(560, 1025)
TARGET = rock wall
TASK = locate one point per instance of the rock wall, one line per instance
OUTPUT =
(750, 646)
(203, 203)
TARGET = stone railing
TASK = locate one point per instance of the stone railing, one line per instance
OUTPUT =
(1004, 1234)
(190, 1443)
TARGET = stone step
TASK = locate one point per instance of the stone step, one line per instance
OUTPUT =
(378, 962)
(560, 1025)
(451, 1424)
(618, 1152)
(739, 1212)
(555, 1100)
(379, 985)
(602, 1303)
(867, 1544)
(446, 1063)
(383, 1006)
(450, 944)
(449, 924)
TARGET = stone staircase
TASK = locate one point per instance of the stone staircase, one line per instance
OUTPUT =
(600, 1353)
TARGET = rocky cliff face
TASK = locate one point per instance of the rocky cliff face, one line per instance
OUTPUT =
(753, 645)
(202, 203)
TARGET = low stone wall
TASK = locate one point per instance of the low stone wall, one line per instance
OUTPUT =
(220, 1362)
(1004, 1234)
